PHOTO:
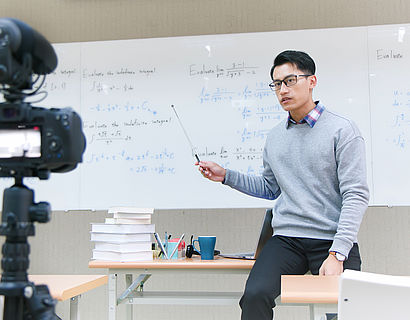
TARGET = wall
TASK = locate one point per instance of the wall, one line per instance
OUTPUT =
(62, 246)
(85, 20)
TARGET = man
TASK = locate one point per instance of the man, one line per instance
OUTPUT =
(314, 165)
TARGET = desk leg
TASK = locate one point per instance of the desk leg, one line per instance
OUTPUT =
(112, 297)
(128, 283)
(312, 311)
(74, 308)
(318, 311)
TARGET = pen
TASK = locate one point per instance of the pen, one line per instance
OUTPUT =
(161, 246)
(179, 241)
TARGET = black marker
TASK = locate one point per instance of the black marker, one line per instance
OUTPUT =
(186, 135)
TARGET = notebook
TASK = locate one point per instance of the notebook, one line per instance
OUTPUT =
(265, 235)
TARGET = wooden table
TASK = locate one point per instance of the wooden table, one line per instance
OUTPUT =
(146, 269)
(64, 287)
(292, 287)
(319, 292)
(67, 286)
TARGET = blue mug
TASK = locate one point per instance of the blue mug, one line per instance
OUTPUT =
(206, 246)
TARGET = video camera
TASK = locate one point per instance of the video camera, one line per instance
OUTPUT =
(34, 141)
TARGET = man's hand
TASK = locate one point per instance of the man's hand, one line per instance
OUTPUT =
(331, 267)
(211, 170)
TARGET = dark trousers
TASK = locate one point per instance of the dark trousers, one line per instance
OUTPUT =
(284, 255)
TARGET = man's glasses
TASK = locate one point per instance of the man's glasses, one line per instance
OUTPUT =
(289, 81)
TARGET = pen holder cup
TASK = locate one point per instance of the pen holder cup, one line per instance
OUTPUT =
(170, 248)
(206, 246)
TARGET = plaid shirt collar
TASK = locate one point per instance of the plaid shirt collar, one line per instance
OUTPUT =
(311, 118)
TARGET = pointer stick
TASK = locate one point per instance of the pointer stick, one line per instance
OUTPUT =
(186, 134)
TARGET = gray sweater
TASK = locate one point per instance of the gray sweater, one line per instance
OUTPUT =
(317, 175)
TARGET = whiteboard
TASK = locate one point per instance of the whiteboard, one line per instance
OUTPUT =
(389, 64)
(136, 151)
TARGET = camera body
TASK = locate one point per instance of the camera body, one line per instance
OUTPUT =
(35, 141)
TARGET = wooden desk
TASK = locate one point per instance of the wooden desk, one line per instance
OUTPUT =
(67, 286)
(320, 293)
(64, 287)
(186, 266)
(193, 263)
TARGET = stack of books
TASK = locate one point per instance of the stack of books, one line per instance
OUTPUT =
(124, 237)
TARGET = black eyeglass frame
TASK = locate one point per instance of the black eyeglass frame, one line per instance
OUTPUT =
(274, 88)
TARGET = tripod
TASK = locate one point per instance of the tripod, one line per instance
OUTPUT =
(23, 299)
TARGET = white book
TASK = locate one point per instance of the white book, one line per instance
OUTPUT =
(122, 215)
(122, 257)
(124, 247)
(120, 238)
(131, 210)
(127, 221)
(122, 228)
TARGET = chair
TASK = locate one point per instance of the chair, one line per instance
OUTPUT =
(373, 296)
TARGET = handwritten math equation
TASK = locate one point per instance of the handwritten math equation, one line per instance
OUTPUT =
(233, 70)
(124, 155)
(106, 88)
(115, 130)
(144, 106)
(59, 80)
(257, 134)
(143, 162)
(257, 91)
(121, 72)
(246, 160)
(165, 160)
(401, 118)
(271, 113)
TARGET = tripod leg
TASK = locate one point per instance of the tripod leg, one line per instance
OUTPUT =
(13, 308)
(1, 307)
